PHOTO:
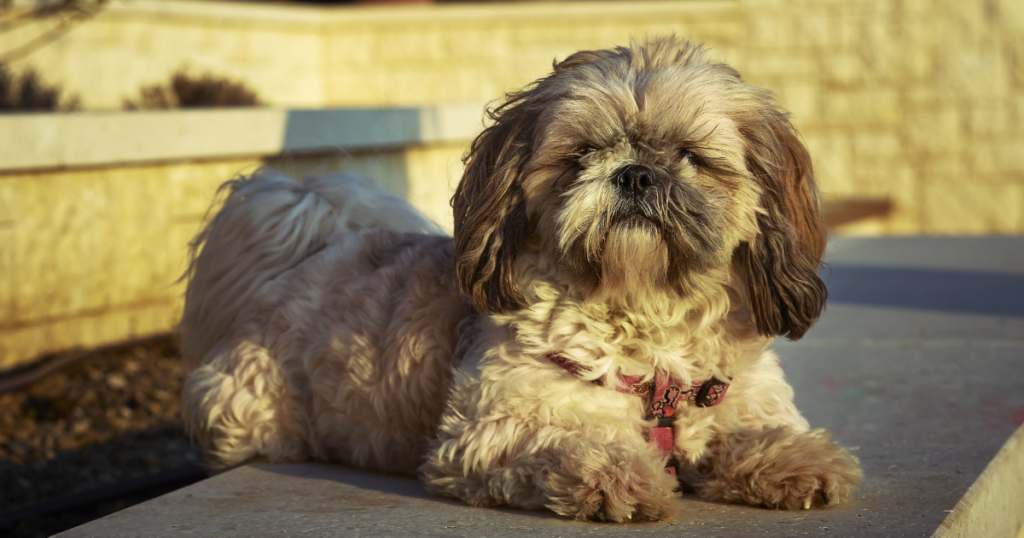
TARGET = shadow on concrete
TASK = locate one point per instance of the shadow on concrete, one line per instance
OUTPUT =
(401, 486)
(370, 142)
(362, 479)
(926, 289)
(352, 128)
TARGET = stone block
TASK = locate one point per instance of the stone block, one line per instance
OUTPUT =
(916, 57)
(192, 187)
(920, 97)
(843, 69)
(770, 30)
(876, 145)
(1010, 16)
(900, 50)
(354, 48)
(403, 45)
(983, 161)
(780, 65)
(716, 34)
(872, 107)
(801, 100)
(355, 88)
(970, 16)
(815, 29)
(86, 330)
(832, 157)
(951, 166)
(916, 8)
(987, 119)
(86, 254)
(960, 207)
(1009, 155)
(976, 75)
(433, 174)
(110, 58)
(415, 86)
(898, 182)
(848, 28)
(933, 131)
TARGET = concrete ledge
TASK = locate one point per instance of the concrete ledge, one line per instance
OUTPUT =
(42, 141)
(994, 506)
(97, 208)
(925, 394)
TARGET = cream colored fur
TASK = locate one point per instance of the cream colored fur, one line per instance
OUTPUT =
(327, 320)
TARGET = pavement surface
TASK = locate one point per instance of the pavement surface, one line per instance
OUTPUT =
(917, 366)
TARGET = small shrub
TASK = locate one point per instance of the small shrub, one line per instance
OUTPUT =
(26, 92)
(187, 91)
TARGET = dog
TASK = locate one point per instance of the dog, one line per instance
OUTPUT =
(631, 233)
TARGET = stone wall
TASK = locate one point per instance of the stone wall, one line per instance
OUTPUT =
(921, 101)
(91, 250)
(92, 256)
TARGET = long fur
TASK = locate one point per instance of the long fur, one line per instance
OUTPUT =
(268, 224)
(639, 210)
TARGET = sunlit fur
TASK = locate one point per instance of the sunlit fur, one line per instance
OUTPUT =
(328, 320)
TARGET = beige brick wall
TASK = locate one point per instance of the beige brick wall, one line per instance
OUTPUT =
(918, 100)
(351, 56)
(921, 101)
(92, 256)
(478, 54)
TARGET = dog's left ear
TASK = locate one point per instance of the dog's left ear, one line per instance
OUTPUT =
(490, 208)
(781, 264)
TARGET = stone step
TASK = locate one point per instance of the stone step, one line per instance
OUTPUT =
(916, 366)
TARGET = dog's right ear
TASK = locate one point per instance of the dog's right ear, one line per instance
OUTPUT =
(781, 264)
(490, 207)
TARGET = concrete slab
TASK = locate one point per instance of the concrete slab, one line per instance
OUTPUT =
(81, 139)
(924, 381)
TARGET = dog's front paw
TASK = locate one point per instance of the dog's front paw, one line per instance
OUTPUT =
(826, 476)
(619, 492)
(779, 468)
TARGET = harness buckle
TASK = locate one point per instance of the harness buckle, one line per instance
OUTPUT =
(711, 391)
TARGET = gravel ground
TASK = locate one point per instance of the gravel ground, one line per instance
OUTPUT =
(111, 418)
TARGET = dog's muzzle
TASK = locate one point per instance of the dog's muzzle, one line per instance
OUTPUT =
(637, 203)
(633, 181)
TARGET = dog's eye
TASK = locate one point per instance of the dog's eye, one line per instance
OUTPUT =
(689, 157)
(585, 151)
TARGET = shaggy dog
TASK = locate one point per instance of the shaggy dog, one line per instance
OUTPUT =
(631, 232)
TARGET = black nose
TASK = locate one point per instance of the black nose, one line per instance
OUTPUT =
(634, 180)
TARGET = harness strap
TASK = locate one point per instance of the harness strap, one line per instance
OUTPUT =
(663, 395)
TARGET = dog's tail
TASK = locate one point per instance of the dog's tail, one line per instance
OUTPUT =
(268, 224)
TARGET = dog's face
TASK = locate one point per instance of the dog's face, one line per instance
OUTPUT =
(649, 170)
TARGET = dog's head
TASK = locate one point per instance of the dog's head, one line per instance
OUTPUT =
(648, 169)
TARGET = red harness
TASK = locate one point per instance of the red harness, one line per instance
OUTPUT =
(662, 396)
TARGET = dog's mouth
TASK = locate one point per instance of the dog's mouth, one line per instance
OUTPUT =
(636, 216)
(635, 220)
